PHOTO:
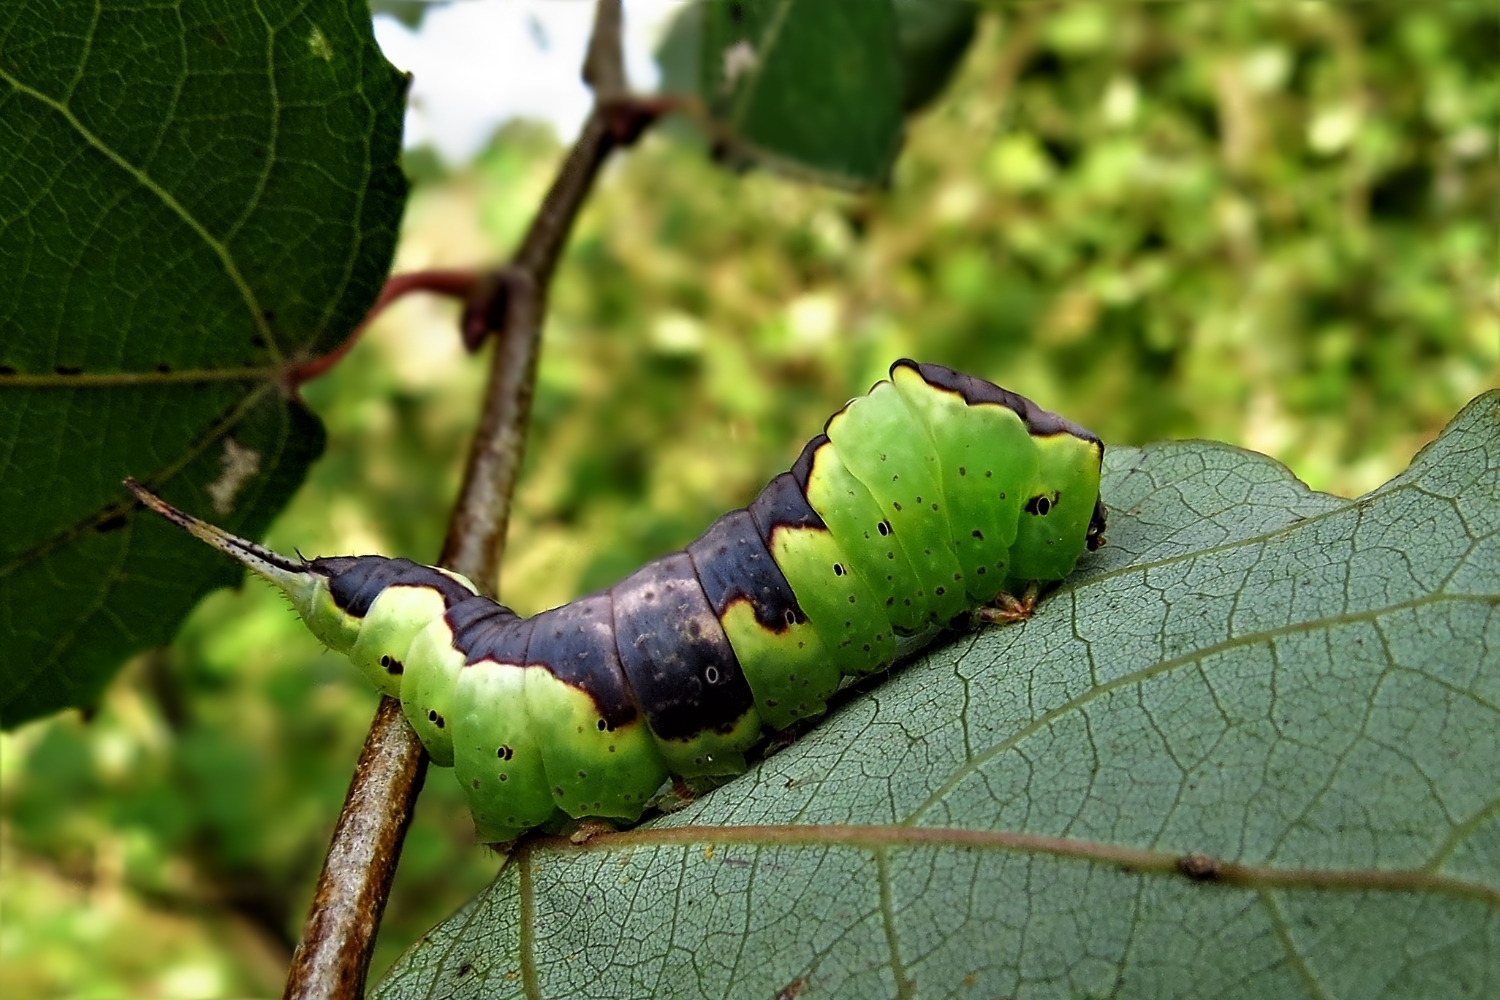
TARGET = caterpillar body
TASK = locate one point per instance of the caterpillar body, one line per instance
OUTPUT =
(921, 501)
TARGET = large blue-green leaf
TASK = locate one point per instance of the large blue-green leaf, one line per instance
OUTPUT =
(1252, 749)
(194, 197)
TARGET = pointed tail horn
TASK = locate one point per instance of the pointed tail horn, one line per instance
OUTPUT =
(289, 574)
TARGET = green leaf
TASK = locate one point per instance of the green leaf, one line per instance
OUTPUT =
(194, 198)
(680, 50)
(1251, 749)
(808, 87)
(408, 12)
(934, 36)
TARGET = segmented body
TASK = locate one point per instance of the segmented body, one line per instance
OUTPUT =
(921, 501)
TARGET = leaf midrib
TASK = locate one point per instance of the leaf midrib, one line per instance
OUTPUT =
(878, 837)
(219, 249)
(98, 379)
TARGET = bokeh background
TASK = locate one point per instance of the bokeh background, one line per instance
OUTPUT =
(1273, 224)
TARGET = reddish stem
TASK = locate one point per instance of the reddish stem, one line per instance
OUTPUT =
(456, 284)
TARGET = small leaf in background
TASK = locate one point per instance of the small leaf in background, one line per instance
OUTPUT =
(408, 12)
(191, 202)
(679, 53)
(1249, 674)
(934, 36)
(809, 87)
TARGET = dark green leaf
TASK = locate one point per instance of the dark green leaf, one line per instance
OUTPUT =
(1250, 674)
(680, 51)
(810, 87)
(408, 12)
(193, 199)
(934, 35)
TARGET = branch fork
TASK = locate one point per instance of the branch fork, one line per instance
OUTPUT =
(509, 302)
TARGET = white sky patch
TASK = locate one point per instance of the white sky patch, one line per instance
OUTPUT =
(478, 63)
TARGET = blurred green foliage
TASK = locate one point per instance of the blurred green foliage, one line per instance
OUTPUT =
(1273, 224)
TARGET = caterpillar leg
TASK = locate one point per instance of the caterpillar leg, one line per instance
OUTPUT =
(1007, 609)
(588, 829)
(781, 739)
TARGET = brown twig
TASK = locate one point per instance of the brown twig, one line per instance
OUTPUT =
(604, 65)
(513, 310)
(512, 304)
(334, 955)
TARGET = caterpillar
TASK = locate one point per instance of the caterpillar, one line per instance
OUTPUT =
(933, 495)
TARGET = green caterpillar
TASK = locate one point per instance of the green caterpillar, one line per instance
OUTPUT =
(931, 496)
